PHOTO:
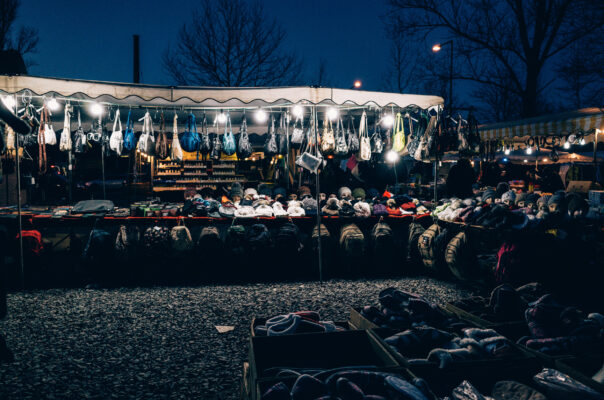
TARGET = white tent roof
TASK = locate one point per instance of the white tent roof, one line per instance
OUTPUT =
(121, 93)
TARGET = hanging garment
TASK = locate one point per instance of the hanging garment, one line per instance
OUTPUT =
(244, 149)
(116, 140)
(129, 136)
(365, 146)
(328, 140)
(42, 142)
(161, 144)
(228, 139)
(398, 140)
(176, 153)
(65, 141)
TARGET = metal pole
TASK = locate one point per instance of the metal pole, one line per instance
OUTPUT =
(70, 176)
(287, 153)
(19, 222)
(102, 156)
(451, 80)
(318, 199)
(136, 63)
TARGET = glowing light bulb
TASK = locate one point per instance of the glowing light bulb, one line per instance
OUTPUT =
(392, 156)
(221, 118)
(388, 120)
(52, 104)
(582, 142)
(357, 84)
(96, 109)
(261, 116)
(529, 150)
(545, 159)
(298, 111)
(332, 113)
(9, 102)
(505, 159)
(507, 151)
(436, 48)
(525, 160)
(566, 145)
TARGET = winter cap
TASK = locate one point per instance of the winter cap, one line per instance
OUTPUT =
(331, 207)
(576, 204)
(264, 189)
(379, 209)
(509, 197)
(310, 206)
(346, 208)
(359, 194)
(502, 187)
(344, 193)
(236, 190)
(264, 210)
(469, 202)
(278, 210)
(251, 192)
(489, 193)
(362, 209)
(531, 199)
(279, 191)
(557, 198)
(304, 191)
(227, 210)
(245, 212)
(294, 209)
(520, 198)
(373, 193)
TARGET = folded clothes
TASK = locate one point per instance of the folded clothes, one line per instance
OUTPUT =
(298, 322)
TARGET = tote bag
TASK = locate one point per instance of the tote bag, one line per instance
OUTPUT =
(65, 141)
(116, 140)
(365, 146)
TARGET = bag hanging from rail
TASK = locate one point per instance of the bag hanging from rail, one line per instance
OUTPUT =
(205, 143)
(189, 141)
(307, 159)
(377, 141)
(146, 142)
(116, 140)
(282, 136)
(353, 139)
(65, 141)
(161, 144)
(297, 137)
(42, 163)
(365, 146)
(328, 140)
(411, 138)
(176, 153)
(341, 148)
(10, 138)
(129, 135)
(50, 137)
(270, 146)
(398, 139)
(228, 139)
(216, 147)
(244, 149)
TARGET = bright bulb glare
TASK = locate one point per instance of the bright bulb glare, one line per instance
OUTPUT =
(332, 114)
(221, 118)
(388, 120)
(261, 116)
(582, 142)
(298, 111)
(391, 156)
(505, 159)
(529, 150)
(566, 145)
(357, 84)
(96, 109)
(507, 152)
(436, 48)
(9, 102)
(525, 160)
(545, 160)
(52, 104)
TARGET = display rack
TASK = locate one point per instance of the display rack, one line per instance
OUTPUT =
(194, 174)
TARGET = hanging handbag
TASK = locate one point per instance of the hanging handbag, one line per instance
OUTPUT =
(244, 148)
(10, 138)
(129, 135)
(297, 137)
(282, 137)
(228, 139)
(341, 143)
(353, 139)
(41, 141)
(328, 140)
(116, 140)
(216, 148)
(161, 144)
(415, 135)
(377, 141)
(80, 142)
(205, 143)
(50, 137)
(310, 159)
(176, 153)
(65, 141)
(365, 145)
(270, 146)
(146, 142)
(398, 139)
(189, 140)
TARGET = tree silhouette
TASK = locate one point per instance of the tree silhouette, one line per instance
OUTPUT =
(25, 39)
(231, 43)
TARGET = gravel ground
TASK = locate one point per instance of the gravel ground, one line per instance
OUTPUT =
(159, 343)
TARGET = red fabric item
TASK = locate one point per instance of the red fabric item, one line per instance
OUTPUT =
(408, 206)
(32, 241)
(352, 162)
(387, 194)
(394, 211)
(508, 260)
(309, 315)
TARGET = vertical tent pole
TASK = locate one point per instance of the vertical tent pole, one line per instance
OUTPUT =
(102, 155)
(19, 222)
(287, 153)
(318, 198)
(70, 175)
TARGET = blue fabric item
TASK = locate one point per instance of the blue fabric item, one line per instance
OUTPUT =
(189, 140)
(348, 390)
(278, 391)
(403, 389)
(308, 388)
(129, 135)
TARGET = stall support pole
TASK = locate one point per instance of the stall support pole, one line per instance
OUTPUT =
(435, 181)
(596, 153)
(317, 195)
(19, 222)
(69, 176)
(287, 153)
(103, 157)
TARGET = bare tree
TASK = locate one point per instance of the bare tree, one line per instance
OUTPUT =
(505, 45)
(25, 39)
(582, 75)
(231, 43)
(322, 77)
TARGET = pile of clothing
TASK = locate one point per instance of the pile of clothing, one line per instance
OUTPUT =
(347, 383)
(296, 322)
(425, 343)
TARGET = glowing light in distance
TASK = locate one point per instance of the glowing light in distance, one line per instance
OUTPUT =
(388, 120)
(332, 113)
(529, 150)
(436, 48)
(9, 102)
(96, 109)
(52, 104)
(357, 84)
(391, 156)
(261, 116)
(566, 145)
(221, 118)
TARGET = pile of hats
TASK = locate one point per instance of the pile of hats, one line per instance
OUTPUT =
(503, 207)
(296, 322)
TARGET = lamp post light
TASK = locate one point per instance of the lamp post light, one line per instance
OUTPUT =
(436, 48)
(357, 84)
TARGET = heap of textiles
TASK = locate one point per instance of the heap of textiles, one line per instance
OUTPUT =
(293, 323)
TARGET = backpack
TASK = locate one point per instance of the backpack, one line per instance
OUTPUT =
(427, 246)
(325, 235)
(258, 237)
(235, 239)
(288, 238)
(98, 247)
(156, 240)
(458, 257)
(129, 136)
(228, 139)
(244, 149)
(209, 239)
(127, 241)
(382, 238)
(415, 232)
(352, 240)
(189, 141)
(181, 239)
(508, 261)
(32, 242)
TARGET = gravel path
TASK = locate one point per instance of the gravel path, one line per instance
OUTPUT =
(159, 343)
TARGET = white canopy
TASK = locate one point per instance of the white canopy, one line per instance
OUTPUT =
(153, 95)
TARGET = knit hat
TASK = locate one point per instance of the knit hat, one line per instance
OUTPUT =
(331, 207)
(264, 210)
(227, 210)
(362, 209)
(489, 193)
(207, 193)
(304, 191)
(236, 190)
(310, 206)
(294, 209)
(392, 208)
(251, 192)
(346, 208)
(379, 209)
(557, 202)
(245, 212)
(509, 197)
(576, 205)
(469, 202)
(373, 193)
(344, 193)
(264, 189)
(543, 201)
(531, 199)
(278, 210)
(520, 199)
(279, 191)
(502, 187)
(358, 194)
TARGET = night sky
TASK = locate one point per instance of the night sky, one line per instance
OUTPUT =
(93, 39)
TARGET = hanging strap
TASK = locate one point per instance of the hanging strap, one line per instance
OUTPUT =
(117, 120)
(67, 120)
(228, 125)
(363, 126)
(243, 130)
(80, 119)
(398, 124)
(42, 140)
(128, 122)
(175, 127)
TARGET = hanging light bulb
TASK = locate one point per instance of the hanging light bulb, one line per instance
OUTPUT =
(221, 118)
(332, 113)
(582, 142)
(9, 102)
(391, 156)
(298, 111)
(52, 104)
(96, 109)
(545, 159)
(506, 151)
(566, 145)
(388, 120)
(529, 150)
(261, 116)
(525, 160)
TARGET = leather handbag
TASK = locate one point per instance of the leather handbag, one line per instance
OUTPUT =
(341, 142)
(146, 142)
(228, 139)
(297, 138)
(205, 143)
(365, 146)
(310, 159)
(353, 139)
(65, 141)
(282, 137)
(377, 141)
(216, 148)
(189, 141)
(176, 154)
(161, 143)
(129, 135)
(50, 137)
(244, 148)
(398, 139)
(328, 140)
(116, 140)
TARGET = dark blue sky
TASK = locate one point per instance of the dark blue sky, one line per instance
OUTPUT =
(93, 39)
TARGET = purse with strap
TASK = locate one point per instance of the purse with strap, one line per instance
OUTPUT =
(65, 141)
(341, 142)
(377, 141)
(353, 139)
(271, 147)
(228, 139)
(282, 137)
(129, 135)
(189, 141)
(398, 139)
(205, 143)
(116, 140)
(146, 143)
(176, 154)
(297, 134)
(328, 140)
(310, 159)
(42, 162)
(50, 137)
(365, 146)
(161, 144)
(245, 147)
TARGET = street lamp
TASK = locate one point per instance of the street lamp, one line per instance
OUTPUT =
(357, 84)
(436, 48)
